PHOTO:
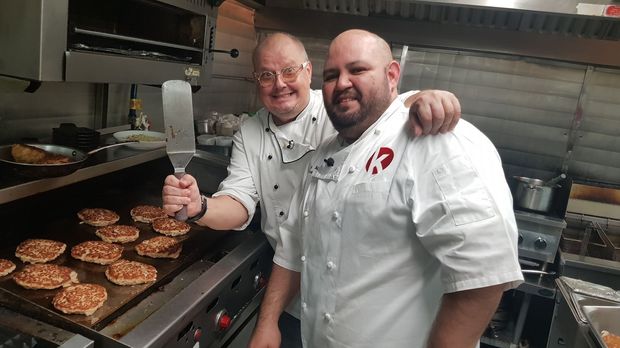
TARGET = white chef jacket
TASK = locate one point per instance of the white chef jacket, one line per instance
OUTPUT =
(268, 162)
(390, 226)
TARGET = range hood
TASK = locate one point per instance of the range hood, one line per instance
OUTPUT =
(597, 19)
(566, 30)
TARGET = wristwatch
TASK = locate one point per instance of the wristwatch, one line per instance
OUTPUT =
(202, 212)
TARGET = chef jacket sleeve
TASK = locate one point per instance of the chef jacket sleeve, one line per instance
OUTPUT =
(462, 211)
(239, 183)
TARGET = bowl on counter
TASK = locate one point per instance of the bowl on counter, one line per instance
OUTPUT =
(143, 140)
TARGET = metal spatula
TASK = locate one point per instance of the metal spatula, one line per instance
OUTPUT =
(179, 123)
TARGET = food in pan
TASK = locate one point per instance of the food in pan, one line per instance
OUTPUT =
(611, 340)
(147, 213)
(97, 251)
(98, 217)
(33, 155)
(118, 233)
(143, 137)
(45, 276)
(6, 267)
(160, 247)
(125, 272)
(39, 250)
(80, 299)
(170, 226)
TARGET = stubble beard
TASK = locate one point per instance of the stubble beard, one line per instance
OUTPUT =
(351, 125)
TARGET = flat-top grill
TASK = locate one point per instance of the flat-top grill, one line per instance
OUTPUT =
(218, 272)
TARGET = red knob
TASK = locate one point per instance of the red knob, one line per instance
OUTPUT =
(197, 335)
(224, 322)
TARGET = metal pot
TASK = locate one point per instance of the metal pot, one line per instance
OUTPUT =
(76, 160)
(532, 194)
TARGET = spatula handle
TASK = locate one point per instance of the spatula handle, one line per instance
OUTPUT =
(181, 215)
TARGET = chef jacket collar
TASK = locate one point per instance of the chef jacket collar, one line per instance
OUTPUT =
(290, 150)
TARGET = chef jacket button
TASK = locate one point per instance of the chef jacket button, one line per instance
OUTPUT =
(335, 215)
(306, 213)
(351, 169)
(275, 187)
(281, 213)
(267, 129)
(328, 317)
(303, 258)
(331, 265)
(377, 131)
(269, 157)
(314, 119)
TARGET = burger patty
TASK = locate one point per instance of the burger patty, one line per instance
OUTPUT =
(98, 216)
(118, 233)
(170, 226)
(6, 267)
(147, 213)
(45, 276)
(97, 251)
(125, 272)
(160, 247)
(80, 299)
(39, 250)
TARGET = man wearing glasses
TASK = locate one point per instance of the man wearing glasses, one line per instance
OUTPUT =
(270, 154)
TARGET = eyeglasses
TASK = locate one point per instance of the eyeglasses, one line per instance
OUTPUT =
(289, 74)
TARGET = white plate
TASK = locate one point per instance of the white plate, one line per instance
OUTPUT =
(155, 139)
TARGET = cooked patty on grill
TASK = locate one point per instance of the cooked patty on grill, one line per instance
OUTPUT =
(39, 250)
(170, 226)
(147, 213)
(160, 247)
(118, 233)
(98, 216)
(6, 267)
(80, 299)
(45, 276)
(125, 272)
(97, 251)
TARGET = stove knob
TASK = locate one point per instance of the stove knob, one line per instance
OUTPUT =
(223, 320)
(259, 281)
(197, 335)
(520, 239)
(540, 243)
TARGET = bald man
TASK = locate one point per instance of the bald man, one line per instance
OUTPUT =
(400, 241)
(271, 151)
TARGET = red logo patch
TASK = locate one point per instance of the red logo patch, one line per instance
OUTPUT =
(379, 160)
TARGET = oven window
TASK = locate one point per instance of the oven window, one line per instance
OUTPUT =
(142, 28)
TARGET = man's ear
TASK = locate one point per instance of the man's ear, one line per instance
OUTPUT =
(309, 70)
(393, 74)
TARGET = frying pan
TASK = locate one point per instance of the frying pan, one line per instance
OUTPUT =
(76, 160)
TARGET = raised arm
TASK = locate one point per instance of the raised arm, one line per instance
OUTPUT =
(432, 112)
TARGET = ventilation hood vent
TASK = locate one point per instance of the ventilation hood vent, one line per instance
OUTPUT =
(597, 19)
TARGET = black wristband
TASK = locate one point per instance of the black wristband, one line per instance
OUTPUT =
(202, 212)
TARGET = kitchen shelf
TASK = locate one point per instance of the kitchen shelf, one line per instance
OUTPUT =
(13, 187)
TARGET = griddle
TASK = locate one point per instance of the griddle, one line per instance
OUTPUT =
(123, 195)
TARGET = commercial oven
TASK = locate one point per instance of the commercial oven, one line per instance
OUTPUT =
(117, 41)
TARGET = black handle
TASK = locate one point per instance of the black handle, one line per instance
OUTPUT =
(233, 53)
